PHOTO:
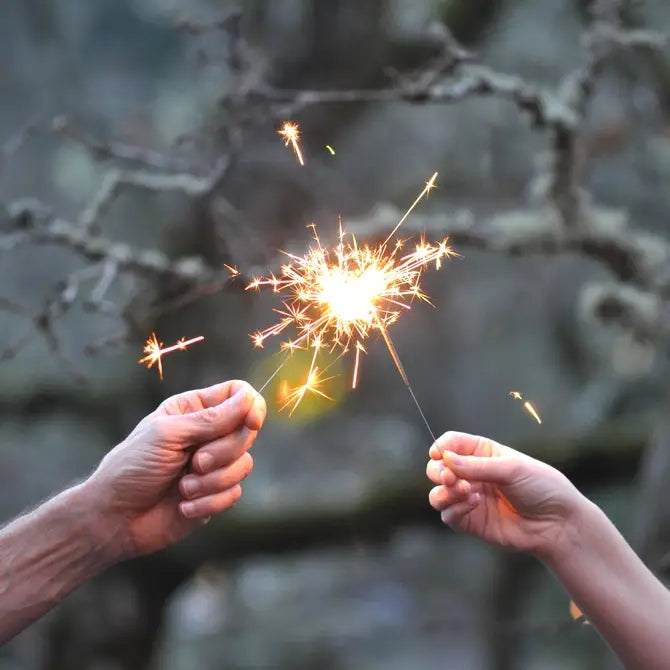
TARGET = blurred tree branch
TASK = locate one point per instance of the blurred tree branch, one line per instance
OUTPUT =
(567, 221)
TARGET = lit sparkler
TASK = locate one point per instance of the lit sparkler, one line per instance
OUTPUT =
(291, 133)
(154, 351)
(336, 298)
(528, 406)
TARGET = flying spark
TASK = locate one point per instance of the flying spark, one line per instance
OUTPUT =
(234, 272)
(528, 406)
(291, 133)
(154, 351)
(336, 298)
(330, 149)
(313, 384)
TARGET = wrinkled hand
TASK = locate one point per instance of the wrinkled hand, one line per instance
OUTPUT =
(181, 464)
(499, 494)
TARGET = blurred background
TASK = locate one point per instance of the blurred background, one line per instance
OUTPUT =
(152, 126)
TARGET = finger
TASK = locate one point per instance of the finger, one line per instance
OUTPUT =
(496, 469)
(222, 452)
(256, 415)
(454, 515)
(197, 486)
(209, 505)
(461, 443)
(213, 422)
(441, 497)
(199, 399)
(439, 473)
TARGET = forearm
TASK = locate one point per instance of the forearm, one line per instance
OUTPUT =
(46, 554)
(617, 592)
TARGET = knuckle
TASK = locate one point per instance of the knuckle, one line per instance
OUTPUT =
(160, 429)
(210, 414)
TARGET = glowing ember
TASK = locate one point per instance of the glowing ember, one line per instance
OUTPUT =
(291, 132)
(527, 406)
(154, 351)
(577, 614)
(336, 298)
(330, 149)
(234, 272)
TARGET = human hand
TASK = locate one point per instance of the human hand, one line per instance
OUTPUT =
(146, 489)
(501, 495)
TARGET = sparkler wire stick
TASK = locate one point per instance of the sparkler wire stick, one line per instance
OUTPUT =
(403, 375)
(275, 373)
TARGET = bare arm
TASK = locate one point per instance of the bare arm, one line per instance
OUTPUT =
(182, 463)
(46, 554)
(510, 499)
(628, 605)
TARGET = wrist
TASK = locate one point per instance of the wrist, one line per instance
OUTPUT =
(107, 528)
(569, 533)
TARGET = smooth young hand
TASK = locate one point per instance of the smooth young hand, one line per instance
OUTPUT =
(499, 494)
(181, 464)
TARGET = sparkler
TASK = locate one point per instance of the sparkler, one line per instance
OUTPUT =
(291, 132)
(337, 298)
(154, 351)
(527, 406)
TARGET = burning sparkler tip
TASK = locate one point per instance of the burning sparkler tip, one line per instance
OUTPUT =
(337, 297)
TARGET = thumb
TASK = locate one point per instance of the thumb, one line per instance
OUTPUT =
(211, 423)
(495, 469)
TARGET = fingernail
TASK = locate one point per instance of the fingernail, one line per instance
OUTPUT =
(190, 485)
(241, 398)
(205, 461)
(474, 499)
(188, 509)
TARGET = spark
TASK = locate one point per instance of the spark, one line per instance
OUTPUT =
(313, 384)
(234, 272)
(528, 406)
(336, 298)
(154, 351)
(577, 614)
(430, 185)
(330, 149)
(291, 133)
